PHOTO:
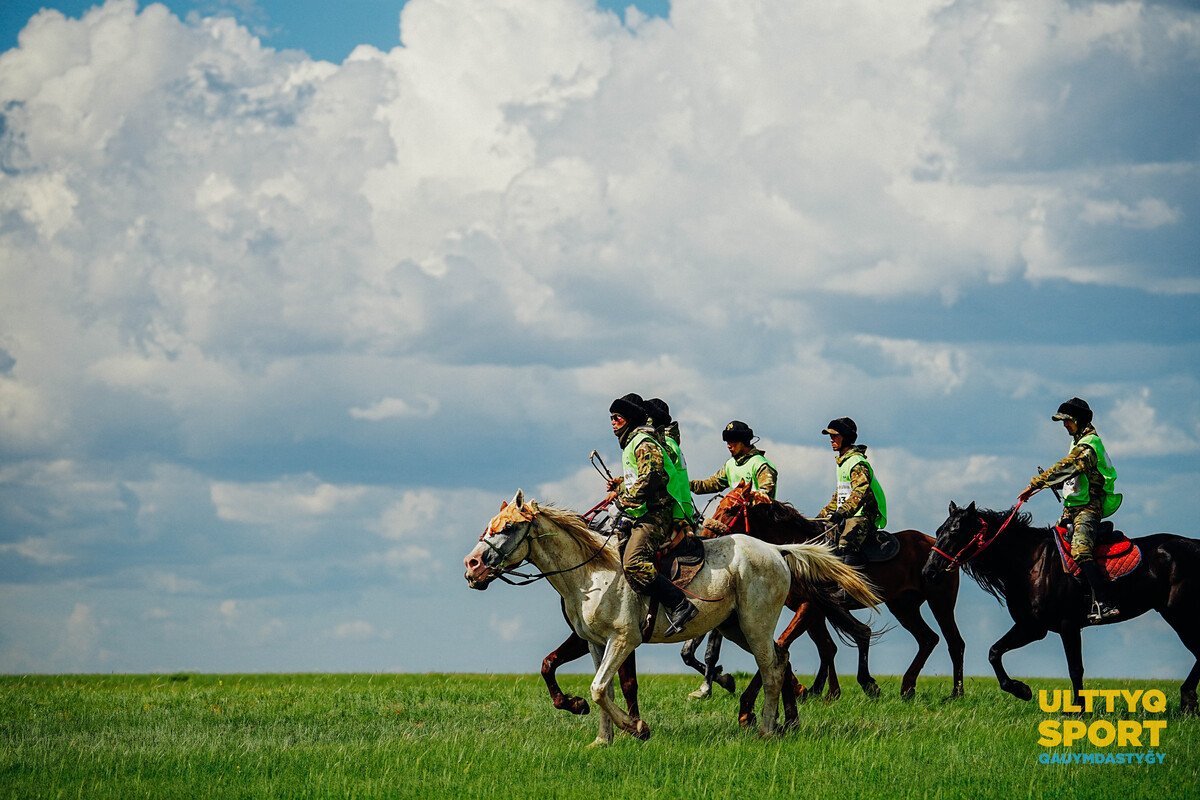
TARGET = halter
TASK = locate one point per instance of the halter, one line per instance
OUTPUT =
(504, 553)
(977, 543)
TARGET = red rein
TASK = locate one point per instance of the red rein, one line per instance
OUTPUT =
(978, 543)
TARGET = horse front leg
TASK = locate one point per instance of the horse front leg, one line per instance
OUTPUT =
(1073, 649)
(615, 653)
(1017, 637)
(572, 648)
(604, 736)
(627, 675)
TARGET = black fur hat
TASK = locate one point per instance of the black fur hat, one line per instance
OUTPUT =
(1075, 409)
(631, 407)
(737, 431)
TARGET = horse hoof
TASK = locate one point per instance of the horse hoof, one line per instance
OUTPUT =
(726, 682)
(641, 731)
(747, 720)
(871, 689)
(1019, 690)
(834, 694)
(599, 742)
(577, 705)
(909, 693)
(703, 693)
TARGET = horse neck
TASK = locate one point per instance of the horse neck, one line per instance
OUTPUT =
(793, 530)
(1008, 557)
(553, 549)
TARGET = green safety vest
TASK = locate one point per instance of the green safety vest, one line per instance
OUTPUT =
(678, 486)
(1078, 492)
(843, 487)
(736, 473)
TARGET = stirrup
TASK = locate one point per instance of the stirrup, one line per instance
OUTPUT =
(1102, 612)
(680, 616)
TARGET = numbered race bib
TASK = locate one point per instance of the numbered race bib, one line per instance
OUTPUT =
(843, 492)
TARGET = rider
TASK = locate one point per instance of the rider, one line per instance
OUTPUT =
(746, 463)
(858, 507)
(1088, 477)
(644, 493)
(667, 431)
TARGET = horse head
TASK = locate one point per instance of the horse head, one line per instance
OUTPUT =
(730, 515)
(504, 543)
(954, 538)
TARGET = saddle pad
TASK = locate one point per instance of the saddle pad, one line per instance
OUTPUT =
(1117, 557)
(681, 562)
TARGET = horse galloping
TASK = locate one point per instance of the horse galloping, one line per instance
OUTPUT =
(899, 582)
(741, 588)
(1019, 565)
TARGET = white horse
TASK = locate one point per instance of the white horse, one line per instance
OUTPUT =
(741, 589)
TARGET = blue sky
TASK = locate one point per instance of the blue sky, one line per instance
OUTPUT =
(282, 321)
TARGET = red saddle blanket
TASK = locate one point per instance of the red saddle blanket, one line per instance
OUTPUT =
(1117, 557)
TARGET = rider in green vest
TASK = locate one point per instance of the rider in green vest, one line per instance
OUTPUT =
(1088, 481)
(746, 463)
(643, 493)
(858, 507)
(678, 485)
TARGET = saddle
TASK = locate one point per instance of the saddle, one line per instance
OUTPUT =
(880, 546)
(680, 559)
(1114, 552)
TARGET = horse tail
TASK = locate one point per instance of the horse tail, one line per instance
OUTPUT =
(815, 566)
(850, 629)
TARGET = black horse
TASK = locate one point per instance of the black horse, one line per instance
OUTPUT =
(1019, 565)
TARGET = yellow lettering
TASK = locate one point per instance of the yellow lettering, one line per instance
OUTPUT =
(1129, 733)
(1131, 699)
(1072, 731)
(1069, 704)
(1154, 701)
(1044, 699)
(1154, 727)
(1050, 737)
(1101, 733)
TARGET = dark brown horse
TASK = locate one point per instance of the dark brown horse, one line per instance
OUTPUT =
(1019, 565)
(899, 581)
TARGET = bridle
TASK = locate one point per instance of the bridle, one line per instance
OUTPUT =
(503, 553)
(982, 539)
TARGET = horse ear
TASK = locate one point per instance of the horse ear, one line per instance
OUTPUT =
(953, 508)
(971, 508)
(533, 507)
(503, 504)
(518, 498)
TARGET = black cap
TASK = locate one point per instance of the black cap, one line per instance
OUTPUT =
(630, 407)
(1075, 409)
(737, 431)
(844, 427)
(659, 411)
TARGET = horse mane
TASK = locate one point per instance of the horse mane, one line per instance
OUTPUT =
(989, 578)
(576, 527)
(783, 513)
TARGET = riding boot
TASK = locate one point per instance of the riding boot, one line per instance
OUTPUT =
(679, 610)
(1102, 608)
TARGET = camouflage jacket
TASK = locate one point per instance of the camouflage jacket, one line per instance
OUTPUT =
(860, 490)
(1081, 460)
(651, 484)
(719, 480)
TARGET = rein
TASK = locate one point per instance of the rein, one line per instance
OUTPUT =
(978, 543)
(526, 579)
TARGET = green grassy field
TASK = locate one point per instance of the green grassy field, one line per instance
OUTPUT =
(497, 736)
